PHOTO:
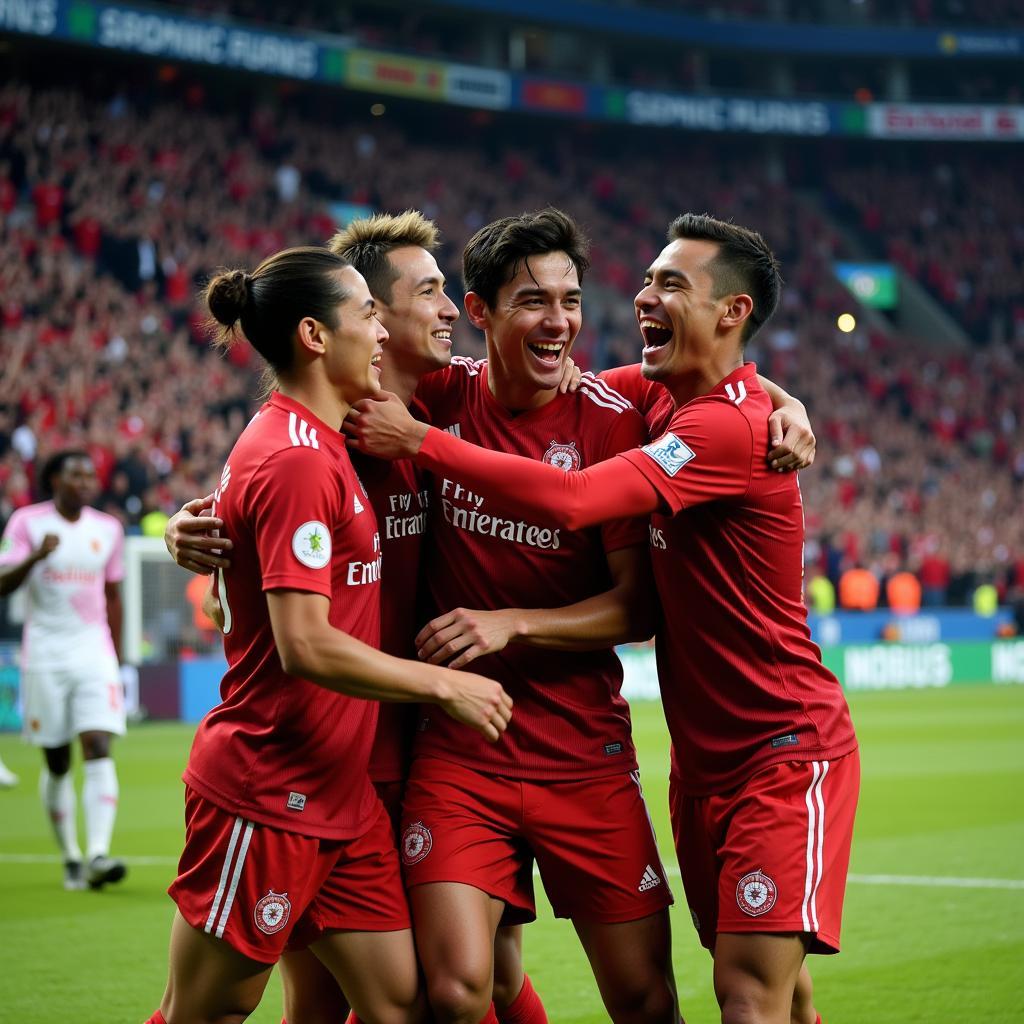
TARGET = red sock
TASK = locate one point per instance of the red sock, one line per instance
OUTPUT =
(490, 1017)
(352, 1019)
(157, 1018)
(817, 1020)
(526, 1008)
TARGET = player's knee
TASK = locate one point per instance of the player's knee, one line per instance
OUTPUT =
(95, 745)
(650, 1001)
(178, 1011)
(58, 760)
(746, 1004)
(458, 1000)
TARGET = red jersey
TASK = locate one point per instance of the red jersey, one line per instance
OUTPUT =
(569, 719)
(280, 750)
(651, 399)
(399, 498)
(742, 684)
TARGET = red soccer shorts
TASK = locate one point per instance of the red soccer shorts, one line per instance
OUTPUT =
(592, 840)
(772, 855)
(391, 794)
(263, 890)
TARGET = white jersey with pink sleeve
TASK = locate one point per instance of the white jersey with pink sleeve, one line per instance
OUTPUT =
(66, 606)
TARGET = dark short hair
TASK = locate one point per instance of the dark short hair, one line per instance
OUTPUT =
(744, 264)
(55, 464)
(368, 242)
(270, 302)
(496, 253)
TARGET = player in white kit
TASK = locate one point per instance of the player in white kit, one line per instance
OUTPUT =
(69, 558)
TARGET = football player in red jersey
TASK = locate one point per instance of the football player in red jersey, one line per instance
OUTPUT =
(564, 792)
(406, 283)
(286, 841)
(395, 256)
(765, 769)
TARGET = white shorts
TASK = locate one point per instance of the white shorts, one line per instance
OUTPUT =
(58, 704)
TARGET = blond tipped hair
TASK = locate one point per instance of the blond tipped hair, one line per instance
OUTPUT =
(365, 243)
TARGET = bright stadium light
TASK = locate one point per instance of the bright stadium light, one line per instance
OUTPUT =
(846, 322)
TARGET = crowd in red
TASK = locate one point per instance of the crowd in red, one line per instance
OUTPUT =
(113, 212)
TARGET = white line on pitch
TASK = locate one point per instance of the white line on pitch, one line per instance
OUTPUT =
(928, 881)
(53, 858)
(939, 881)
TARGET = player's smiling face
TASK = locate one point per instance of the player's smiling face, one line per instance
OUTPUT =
(420, 315)
(354, 348)
(535, 320)
(677, 309)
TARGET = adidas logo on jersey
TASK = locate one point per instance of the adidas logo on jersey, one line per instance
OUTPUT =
(357, 505)
(649, 881)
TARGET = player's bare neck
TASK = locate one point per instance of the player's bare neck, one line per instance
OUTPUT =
(701, 380)
(71, 513)
(318, 397)
(400, 382)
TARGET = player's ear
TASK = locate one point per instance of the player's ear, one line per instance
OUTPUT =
(738, 308)
(477, 310)
(310, 336)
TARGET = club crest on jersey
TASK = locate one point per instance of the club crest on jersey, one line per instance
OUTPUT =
(755, 893)
(272, 912)
(417, 842)
(311, 544)
(564, 456)
(669, 452)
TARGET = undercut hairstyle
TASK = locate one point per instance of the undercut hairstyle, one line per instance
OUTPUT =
(366, 244)
(268, 304)
(55, 464)
(497, 252)
(744, 264)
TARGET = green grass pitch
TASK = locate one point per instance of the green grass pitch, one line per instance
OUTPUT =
(933, 930)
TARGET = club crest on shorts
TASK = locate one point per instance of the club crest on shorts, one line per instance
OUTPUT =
(755, 893)
(272, 912)
(564, 456)
(416, 843)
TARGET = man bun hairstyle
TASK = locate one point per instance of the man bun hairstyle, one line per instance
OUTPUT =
(744, 264)
(497, 252)
(266, 306)
(367, 242)
(228, 295)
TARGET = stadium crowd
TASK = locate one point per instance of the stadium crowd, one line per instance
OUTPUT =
(114, 211)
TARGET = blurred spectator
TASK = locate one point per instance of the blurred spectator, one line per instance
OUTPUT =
(821, 595)
(921, 463)
(858, 590)
(903, 593)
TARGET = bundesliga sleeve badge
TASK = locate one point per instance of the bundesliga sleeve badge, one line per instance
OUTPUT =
(272, 912)
(311, 544)
(755, 893)
(669, 452)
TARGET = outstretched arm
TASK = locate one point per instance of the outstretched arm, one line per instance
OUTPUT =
(608, 490)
